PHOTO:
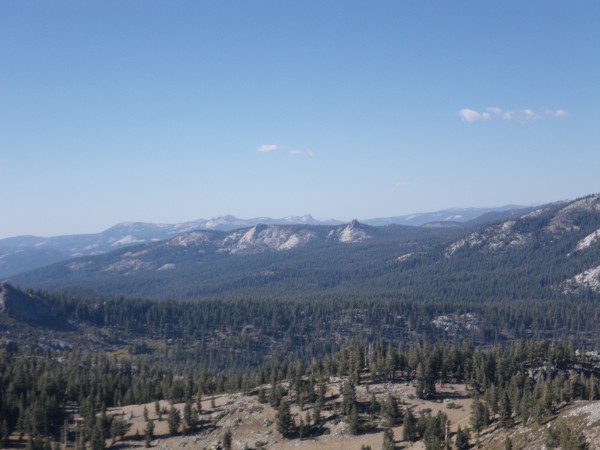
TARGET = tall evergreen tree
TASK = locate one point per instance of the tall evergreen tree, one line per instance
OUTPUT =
(388, 440)
(174, 420)
(283, 419)
(149, 433)
(461, 439)
(390, 411)
(227, 440)
(409, 430)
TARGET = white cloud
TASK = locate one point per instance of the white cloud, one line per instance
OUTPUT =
(470, 115)
(400, 184)
(520, 116)
(494, 110)
(267, 148)
(560, 113)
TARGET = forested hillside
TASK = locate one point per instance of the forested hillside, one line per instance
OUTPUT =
(550, 252)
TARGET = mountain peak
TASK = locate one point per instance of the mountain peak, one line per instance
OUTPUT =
(351, 233)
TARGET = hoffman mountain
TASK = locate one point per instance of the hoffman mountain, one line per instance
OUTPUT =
(547, 252)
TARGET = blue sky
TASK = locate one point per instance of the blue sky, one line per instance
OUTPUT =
(165, 111)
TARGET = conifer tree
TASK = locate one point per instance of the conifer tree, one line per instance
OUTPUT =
(158, 410)
(187, 414)
(409, 429)
(461, 439)
(173, 420)
(149, 433)
(283, 419)
(388, 440)
(505, 420)
(479, 416)
(390, 411)
(227, 439)
(353, 420)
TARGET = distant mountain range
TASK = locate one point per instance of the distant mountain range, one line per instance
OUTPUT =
(548, 251)
(25, 253)
(459, 215)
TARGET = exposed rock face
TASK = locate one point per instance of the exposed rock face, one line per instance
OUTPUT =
(492, 239)
(588, 241)
(265, 237)
(563, 220)
(20, 305)
(351, 233)
(587, 279)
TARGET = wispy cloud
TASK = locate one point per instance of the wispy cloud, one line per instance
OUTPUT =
(401, 184)
(300, 151)
(470, 115)
(267, 148)
(520, 116)
(271, 148)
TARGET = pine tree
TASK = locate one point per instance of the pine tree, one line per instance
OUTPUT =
(283, 419)
(420, 382)
(97, 438)
(187, 414)
(149, 433)
(157, 410)
(118, 429)
(505, 420)
(227, 439)
(409, 430)
(316, 416)
(461, 440)
(173, 420)
(388, 440)
(301, 429)
(390, 411)
(479, 415)
(353, 420)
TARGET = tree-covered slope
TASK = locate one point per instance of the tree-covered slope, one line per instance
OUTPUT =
(550, 252)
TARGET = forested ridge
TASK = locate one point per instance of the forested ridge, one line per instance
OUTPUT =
(533, 256)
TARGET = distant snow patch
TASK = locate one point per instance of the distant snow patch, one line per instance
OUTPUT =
(127, 240)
